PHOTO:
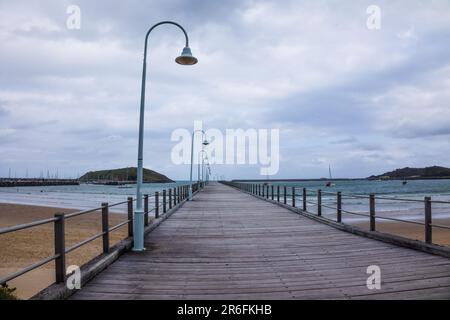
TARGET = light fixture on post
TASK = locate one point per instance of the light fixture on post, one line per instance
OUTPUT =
(204, 143)
(186, 58)
(203, 154)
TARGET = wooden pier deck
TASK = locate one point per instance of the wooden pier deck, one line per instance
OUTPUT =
(227, 244)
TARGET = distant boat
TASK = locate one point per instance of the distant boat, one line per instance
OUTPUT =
(329, 183)
(404, 182)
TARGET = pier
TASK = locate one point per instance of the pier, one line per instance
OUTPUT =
(35, 182)
(247, 241)
(229, 244)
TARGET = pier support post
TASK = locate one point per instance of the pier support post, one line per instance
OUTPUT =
(146, 210)
(170, 198)
(156, 205)
(267, 193)
(272, 191)
(130, 216)
(164, 201)
(304, 199)
(319, 202)
(293, 197)
(278, 193)
(428, 221)
(105, 227)
(372, 211)
(284, 195)
(60, 248)
(339, 207)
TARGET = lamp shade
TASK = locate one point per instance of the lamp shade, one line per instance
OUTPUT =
(186, 58)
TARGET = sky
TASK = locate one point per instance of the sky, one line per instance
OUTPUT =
(362, 100)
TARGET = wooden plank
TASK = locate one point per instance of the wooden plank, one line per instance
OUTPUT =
(230, 245)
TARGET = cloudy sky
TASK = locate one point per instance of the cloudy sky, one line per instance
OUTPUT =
(363, 100)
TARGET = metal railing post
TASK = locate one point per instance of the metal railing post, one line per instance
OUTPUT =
(272, 192)
(60, 248)
(339, 207)
(284, 195)
(428, 221)
(130, 216)
(146, 210)
(105, 227)
(278, 193)
(319, 202)
(156, 205)
(170, 198)
(372, 211)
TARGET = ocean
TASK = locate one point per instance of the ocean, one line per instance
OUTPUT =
(86, 196)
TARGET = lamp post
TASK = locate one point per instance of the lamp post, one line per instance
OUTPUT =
(185, 58)
(198, 176)
(204, 143)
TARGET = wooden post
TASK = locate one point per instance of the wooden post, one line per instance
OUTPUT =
(174, 196)
(372, 212)
(105, 227)
(179, 195)
(263, 191)
(304, 199)
(278, 193)
(339, 207)
(164, 201)
(284, 195)
(267, 193)
(319, 202)
(60, 248)
(428, 221)
(130, 216)
(170, 198)
(293, 197)
(156, 205)
(146, 210)
(272, 192)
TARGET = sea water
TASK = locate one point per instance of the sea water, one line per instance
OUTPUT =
(438, 190)
(87, 196)
(83, 196)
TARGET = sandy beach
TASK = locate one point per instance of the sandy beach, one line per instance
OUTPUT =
(412, 231)
(22, 248)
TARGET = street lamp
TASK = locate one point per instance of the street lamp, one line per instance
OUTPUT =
(185, 58)
(203, 152)
(204, 143)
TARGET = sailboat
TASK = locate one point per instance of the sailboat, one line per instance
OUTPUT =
(329, 183)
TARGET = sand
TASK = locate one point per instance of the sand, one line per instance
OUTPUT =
(412, 231)
(23, 248)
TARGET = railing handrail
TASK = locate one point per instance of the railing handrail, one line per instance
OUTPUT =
(255, 189)
(181, 194)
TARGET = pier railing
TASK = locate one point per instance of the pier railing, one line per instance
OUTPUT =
(162, 202)
(307, 199)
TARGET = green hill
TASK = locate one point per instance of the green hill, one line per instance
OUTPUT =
(124, 174)
(434, 172)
